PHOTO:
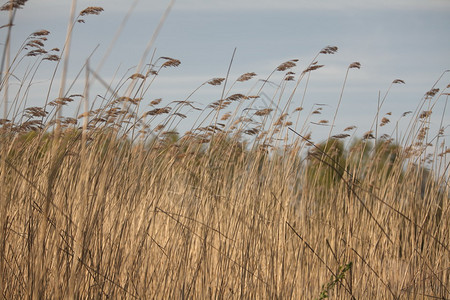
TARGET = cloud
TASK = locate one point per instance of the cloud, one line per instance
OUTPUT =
(61, 9)
(300, 5)
(143, 6)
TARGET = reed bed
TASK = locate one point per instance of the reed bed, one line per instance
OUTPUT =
(115, 203)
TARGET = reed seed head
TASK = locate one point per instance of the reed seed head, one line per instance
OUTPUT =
(425, 114)
(341, 136)
(246, 76)
(287, 65)
(216, 81)
(171, 62)
(355, 64)
(137, 75)
(329, 50)
(52, 57)
(312, 68)
(384, 121)
(431, 93)
(155, 102)
(91, 10)
(10, 5)
(398, 81)
(349, 128)
(368, 135)
(263, 112)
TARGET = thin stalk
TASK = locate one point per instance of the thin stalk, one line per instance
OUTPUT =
(5, 62)
(339, 103)
(65, 66)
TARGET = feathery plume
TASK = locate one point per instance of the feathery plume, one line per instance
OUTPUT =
(384, 121)
(287, 65)
(355, 64)
(91, 10)
(340, 136)
(246, 76)
(137, 75)
(312, 68)
(431, 93)
(171, 62)
(368, 135)
(155, 102)
(236, 97)
(263, 112)
(398, 81)
(216, 81)
(329, 50)
(349, 128)
(425, 114)
(10, 5)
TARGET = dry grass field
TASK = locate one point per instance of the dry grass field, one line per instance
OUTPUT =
(115, 204)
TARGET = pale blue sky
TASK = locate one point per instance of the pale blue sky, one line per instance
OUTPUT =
(405, 39)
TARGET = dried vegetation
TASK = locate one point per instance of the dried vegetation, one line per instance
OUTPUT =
(115, 203)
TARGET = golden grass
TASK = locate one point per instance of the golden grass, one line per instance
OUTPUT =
(122, 220)
(244, 205)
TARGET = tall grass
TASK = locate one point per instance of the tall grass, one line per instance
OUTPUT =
(244, 205)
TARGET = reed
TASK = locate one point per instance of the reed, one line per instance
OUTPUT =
(116, 203)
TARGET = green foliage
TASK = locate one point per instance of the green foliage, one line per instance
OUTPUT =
(334, 280)
(326, 162)
(330, 160)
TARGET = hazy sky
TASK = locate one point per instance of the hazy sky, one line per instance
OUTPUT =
(404, 39)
